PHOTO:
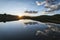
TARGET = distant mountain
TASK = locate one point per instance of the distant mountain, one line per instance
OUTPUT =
(8, 17)
(42, 18)
(45, 18)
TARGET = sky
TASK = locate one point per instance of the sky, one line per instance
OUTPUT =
(17, 7)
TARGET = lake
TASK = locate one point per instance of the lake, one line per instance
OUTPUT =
(28, 30)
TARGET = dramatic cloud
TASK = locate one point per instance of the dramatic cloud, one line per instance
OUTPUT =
(51, 5)
(39, 3)
(54, 8)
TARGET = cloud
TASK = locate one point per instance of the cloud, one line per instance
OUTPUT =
(39, 3)
(31, 11)
(51, 5)
(54, 8)
(49, 10)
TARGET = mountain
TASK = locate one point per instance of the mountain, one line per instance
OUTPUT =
(45, 18)
(41, 18)
(8, 17)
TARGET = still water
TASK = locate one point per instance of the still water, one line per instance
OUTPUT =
(26, 29)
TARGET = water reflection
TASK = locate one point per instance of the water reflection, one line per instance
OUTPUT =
(31, 23)
(29, 30)
(51, 33)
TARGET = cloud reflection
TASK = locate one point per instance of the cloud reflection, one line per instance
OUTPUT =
(52, 32)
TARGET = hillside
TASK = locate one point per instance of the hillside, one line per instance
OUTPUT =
(8, 17)
(45, 18)
(42, 18)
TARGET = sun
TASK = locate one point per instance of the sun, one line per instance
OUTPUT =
(20, 16)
